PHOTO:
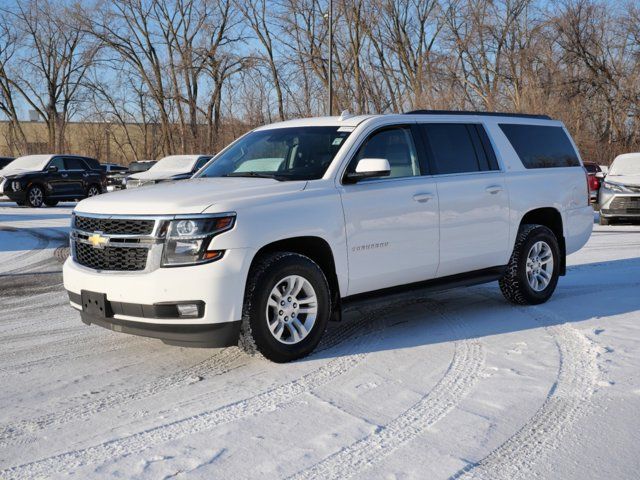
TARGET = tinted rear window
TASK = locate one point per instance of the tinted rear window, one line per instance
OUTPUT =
(75, 164)
(541, 146)
(458, 148)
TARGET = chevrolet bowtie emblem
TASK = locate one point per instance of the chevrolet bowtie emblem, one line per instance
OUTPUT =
(97, 240)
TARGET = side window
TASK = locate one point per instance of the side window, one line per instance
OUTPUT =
(394, 144)
(57, 162)
(201, 162)
(75, 164)
(540, 146)
(456, 148)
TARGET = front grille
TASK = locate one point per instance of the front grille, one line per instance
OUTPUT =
(111, 258)
(114, 226)
(630, 205)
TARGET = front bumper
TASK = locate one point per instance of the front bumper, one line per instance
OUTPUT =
(215, 335)
(133, 297)
(618, 204)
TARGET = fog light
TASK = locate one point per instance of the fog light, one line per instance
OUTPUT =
(188, 310)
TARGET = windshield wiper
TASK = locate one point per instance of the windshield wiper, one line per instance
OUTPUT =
(275, 176)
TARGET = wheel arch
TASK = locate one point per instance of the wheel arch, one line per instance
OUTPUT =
(317, 249)
(552, 219)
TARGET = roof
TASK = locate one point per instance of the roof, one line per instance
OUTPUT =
(341, 121)
(474, 112)
(352, 121)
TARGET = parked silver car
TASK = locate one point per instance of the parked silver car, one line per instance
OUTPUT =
(620, 191)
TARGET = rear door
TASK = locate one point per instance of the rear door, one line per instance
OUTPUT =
(391, 222)
(77, 172)
(474, 202)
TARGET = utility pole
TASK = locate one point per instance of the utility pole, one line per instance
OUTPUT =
(330, 57)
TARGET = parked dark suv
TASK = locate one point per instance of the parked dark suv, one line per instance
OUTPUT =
(37, 180)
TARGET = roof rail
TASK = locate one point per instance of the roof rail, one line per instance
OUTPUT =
(472, 112)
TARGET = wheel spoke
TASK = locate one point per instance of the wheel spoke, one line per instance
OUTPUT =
(307, 301)
(298, 285)
(277, 332)
(297, 324)
(294, 333)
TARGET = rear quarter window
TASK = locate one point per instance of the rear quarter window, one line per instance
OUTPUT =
(540, 146)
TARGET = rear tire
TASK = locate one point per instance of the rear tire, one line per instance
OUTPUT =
(287, 307)
(35, 196)
(534, 267)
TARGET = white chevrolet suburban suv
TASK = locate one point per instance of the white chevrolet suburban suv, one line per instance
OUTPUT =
(275, 233)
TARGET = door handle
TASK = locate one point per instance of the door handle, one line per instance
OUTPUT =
(493, 189)
(423, 197)
(64, 175)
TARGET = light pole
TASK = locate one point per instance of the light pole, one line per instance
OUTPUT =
(330, 57)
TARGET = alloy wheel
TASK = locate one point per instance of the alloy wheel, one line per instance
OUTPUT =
(292, 309)
(539, 266)
(36, 197)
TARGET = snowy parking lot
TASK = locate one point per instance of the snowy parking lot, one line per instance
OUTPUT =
(455, 384)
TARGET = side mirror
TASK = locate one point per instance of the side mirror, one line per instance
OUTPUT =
(600, 175)
(53, 168)
(370, 168)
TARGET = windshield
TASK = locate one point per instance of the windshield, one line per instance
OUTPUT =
(29, 162)
(178, 163)
(300, 153)
(140, 166)
(626, 165)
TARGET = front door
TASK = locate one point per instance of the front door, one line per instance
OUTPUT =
(391, 222)
(57, 181)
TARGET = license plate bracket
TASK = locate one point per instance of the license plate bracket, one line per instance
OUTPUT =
(95, 304)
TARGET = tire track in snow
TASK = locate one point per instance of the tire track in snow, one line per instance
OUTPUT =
(460, 377)
(42, 241)
(568, 399)
(222, 362)
(45, 237)
(266, 401)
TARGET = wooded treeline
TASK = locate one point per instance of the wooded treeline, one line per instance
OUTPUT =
(179, 76)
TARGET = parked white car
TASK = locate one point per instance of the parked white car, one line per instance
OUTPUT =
(295, 219)
(620, 190)
(173, 167)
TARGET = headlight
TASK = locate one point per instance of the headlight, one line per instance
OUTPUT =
(16, 186)
(615, 187)
(188, 240)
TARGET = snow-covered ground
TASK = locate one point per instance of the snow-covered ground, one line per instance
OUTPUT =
(457, 384)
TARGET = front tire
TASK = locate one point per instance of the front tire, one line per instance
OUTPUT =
(534, 267)
(35, 196)
(93, 191)
(286, 308)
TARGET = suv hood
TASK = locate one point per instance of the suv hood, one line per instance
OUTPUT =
(157, 174)
(14, 172)
(632, 180)
(186, 196)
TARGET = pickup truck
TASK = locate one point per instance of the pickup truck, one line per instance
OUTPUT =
(287, 224)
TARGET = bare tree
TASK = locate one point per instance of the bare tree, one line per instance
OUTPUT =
(55, 57)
